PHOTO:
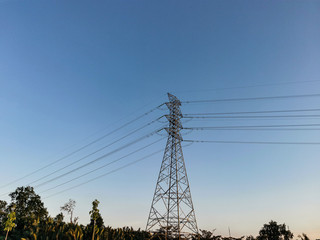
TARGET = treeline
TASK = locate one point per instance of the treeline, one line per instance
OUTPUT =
(26, 218)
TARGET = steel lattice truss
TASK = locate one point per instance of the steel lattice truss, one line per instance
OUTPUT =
(172, 208)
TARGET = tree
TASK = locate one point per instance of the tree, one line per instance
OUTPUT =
(3, 212)
(95, 216)
(59, 218)
(303, 237)
(206, 235)
(28, 207)
(250, 237)
(69, 207)
(9, 224)
(273, 231)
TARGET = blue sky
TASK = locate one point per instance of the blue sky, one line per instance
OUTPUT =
(70, 71)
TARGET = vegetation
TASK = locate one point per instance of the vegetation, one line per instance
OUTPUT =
(9, 223)
(69, 207)
(94, 214)
(26, 218)
(273, 231)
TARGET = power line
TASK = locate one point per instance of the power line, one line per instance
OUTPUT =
(253, 142)
(90, 154)
(103, 166)
(81, 148)
(251, 99)
(254, 112)
(265, 116)
(265, 129)
(112, 171)
(257, 126)
(103, 175)
(252, 86)
(99, 158)
(94, 160)
(249, 120)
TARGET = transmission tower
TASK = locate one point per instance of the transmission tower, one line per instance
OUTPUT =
(172, 209)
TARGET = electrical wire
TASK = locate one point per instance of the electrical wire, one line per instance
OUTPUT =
(263, 116)
(105, 174)
(253, 142)
(259, 126)
(103, 166)
(255, 112)
(100, 149)
(250, 99)
(251, 86)
(99, 158)
(112, 171)
(83, 147)
(249, 120)
(270, 116)
(264, 129)
(93, 161)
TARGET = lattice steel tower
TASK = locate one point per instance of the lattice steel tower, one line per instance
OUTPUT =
(172, 209)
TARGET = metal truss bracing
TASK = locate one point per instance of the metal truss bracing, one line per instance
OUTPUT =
(172, 208)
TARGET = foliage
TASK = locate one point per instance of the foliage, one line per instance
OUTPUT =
(206, 234)
(9, 223)
(69, 208)
(273, 231)
(3, 213)
(33, 223)
(94, 216)
(303, 237)
(59, 218)
(28, 207)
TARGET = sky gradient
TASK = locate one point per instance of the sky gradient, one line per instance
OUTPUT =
(71, 71)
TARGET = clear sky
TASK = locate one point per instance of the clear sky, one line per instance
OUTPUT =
(71, 71)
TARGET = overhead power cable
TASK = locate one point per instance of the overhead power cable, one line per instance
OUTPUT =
(94, 160)
(92, 153)
(99, 158)
(251, 86)
(254, 112)
(251, 99)
(264, 116)
(112, 171)
(253, 142)
(265, 129)
(83, 147)
(103, 175)
(103, 166)
(257, 126)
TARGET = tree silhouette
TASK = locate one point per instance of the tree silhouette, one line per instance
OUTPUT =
(3, 213)
(69, 207)
(273, 231)
(9, 224)
(28, 207)
(303, 237)
(95, 215)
